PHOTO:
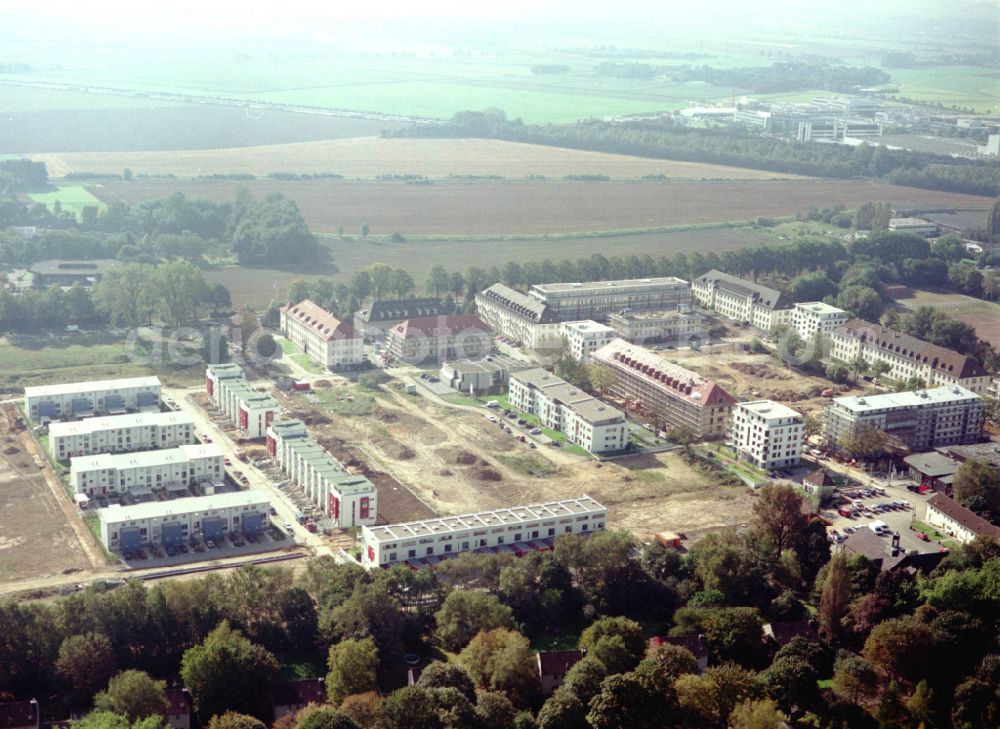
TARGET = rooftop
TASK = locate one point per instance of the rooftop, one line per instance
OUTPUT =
(557, 663)
(769, 409)
(586, 406)
(229, 369)
(493, 363)
(518, 303)
(439, 326)
(498, 517)
(289, 428)
(910, 223)
(320, 320)
(68, 268)
(912, 399)
(398, 309)
(543, 290)
(119, 422)
(968, 519)
(866, 542)
(652, 315)
(145, 459)
(188, 505)
(818, 307)
(72, 388)
(931, 463)
(986, 452)
(766, 296)
(589, 327)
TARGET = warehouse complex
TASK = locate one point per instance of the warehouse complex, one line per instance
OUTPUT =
(251, 411)
(120, 434)
(140, 474)
(73, 400)
(517, 530)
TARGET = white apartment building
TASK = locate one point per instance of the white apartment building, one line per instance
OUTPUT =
(519, 317)
(918, 421)
(965, 525)
(120, 434)
(677, 325)
(759, 306)
(517, 530)
(169, 523)
(767, 434)
(813, 316)
(583, 337)
(139, 474)
(327, 340)
(597, 299)
(907, 356)
(83, 399)
(348, 499)
(585, 420)
(250, 410)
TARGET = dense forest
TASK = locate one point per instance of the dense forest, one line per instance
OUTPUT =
(887, 648)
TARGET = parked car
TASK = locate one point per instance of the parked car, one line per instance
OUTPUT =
(535, 431)
(923, 537)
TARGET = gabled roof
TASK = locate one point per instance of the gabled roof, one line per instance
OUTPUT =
(438, 326)
(557, 663)
(968, 519)
(879, 549)
(520, 304)
(319, 320)
(398, 309)
(303, 691)
(819, 477)
(764, 295)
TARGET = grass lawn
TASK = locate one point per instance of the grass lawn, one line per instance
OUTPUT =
(530, 464)
(930, 531)
(726, 459)
(286, 346)
(71, 197)
(458, 399)
(299, 357)
(534, 421)
(346, 401)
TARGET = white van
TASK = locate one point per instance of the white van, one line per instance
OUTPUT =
(880, 527)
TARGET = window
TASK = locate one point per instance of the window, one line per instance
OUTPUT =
(392, 556)
(412, 553)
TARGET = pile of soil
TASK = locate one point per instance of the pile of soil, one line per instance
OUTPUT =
(487, 474)
(466, 459)
(11, 450)
(321, 383)
(386, 416)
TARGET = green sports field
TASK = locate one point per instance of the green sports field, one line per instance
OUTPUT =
(71, 197)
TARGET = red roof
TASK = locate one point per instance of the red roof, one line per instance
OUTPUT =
(557, 663)
(319, 320)
(304, 691)
(438, 326)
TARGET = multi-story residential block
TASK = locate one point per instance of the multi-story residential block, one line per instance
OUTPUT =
(171, 523)
(597, 299)
(120, 434)
(375, 320)
(641, 327)
(346, 498)
(815, 316)
(439, 338)
(583, 337)
(249, 409)
(327, 340)
(517, 316)
(83, 399)
(907, 356)
(767, 434)
(140, 474)
(916, 421)
(487, 376)
(517, 530)
(667, 393)
(585, 420)
(759, 306)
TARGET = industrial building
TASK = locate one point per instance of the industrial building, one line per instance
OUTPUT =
(664, 392)
(767, 434)
(120, 434)
(597, 299)
(248, 409)
(517, 530)
(915, 421)
(487, 376)
(126, 529)
(584, 420)
(141, 474)
(815, 316)
(743, 301)
(327, 340)
(84, 399)
(439, 338)
(583, 337)
(519, 317)
(348, 499)
(672, 325)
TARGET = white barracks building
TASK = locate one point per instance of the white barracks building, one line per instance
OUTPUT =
(348, 499)
(251, 411)
(84, 399)
(329, 341)
(143, 472)
(767, 434)
(517, 530)
(120, 434)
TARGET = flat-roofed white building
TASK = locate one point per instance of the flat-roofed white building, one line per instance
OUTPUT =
(585, 420)
(583, 337)
(597, 299)
(248, 409)
(327, 340)
(919, 421)
(146, 471)
(767, 434)
(120, 434)
(348, 499)
(917, 226)
(815, 316)
(169, 523)
(517, 530)
(83, 399)
(744, 301)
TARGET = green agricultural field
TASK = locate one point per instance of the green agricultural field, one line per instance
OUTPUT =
(963, 86)
(73, 198)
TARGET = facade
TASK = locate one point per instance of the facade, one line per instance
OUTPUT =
(439, 338)
(250, 410)
(120, 434)
(328, 341)
(597, 299)
(178, 714)
(917, 226)
(964, 525)
(583, 337)
(733, 297)
(290, 697)
(169, 523)
(907, 356)
(348, 499)
(585, 420)
(20, 715)
(917, 421)
(374, 320)
(517, 316)
(517, 530)
(139, 474)
(673, 396)
(487, 376)
(674, 325)
(552, 667)
(767, 434)
(84, 399)
(815, 316)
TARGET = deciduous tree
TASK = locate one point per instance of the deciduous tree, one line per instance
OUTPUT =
(134, 694)
(352, 665)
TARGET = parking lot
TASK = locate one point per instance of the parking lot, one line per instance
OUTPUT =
(870, 505)
(196, 550)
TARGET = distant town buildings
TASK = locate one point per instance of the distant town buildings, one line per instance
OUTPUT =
(596, 300)
(327, 340)
(660, 325)
(120, 434)
(439, 338)
(740, 300)
(767, 434)
(583, 337)
(84, 399)
(671, 395)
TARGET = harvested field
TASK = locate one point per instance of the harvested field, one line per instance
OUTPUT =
(369, 157)
(492, 208)
(984, 316)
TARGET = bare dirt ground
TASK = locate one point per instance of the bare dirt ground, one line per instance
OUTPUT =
(369, 157)
(37, 537)
(453, 461)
